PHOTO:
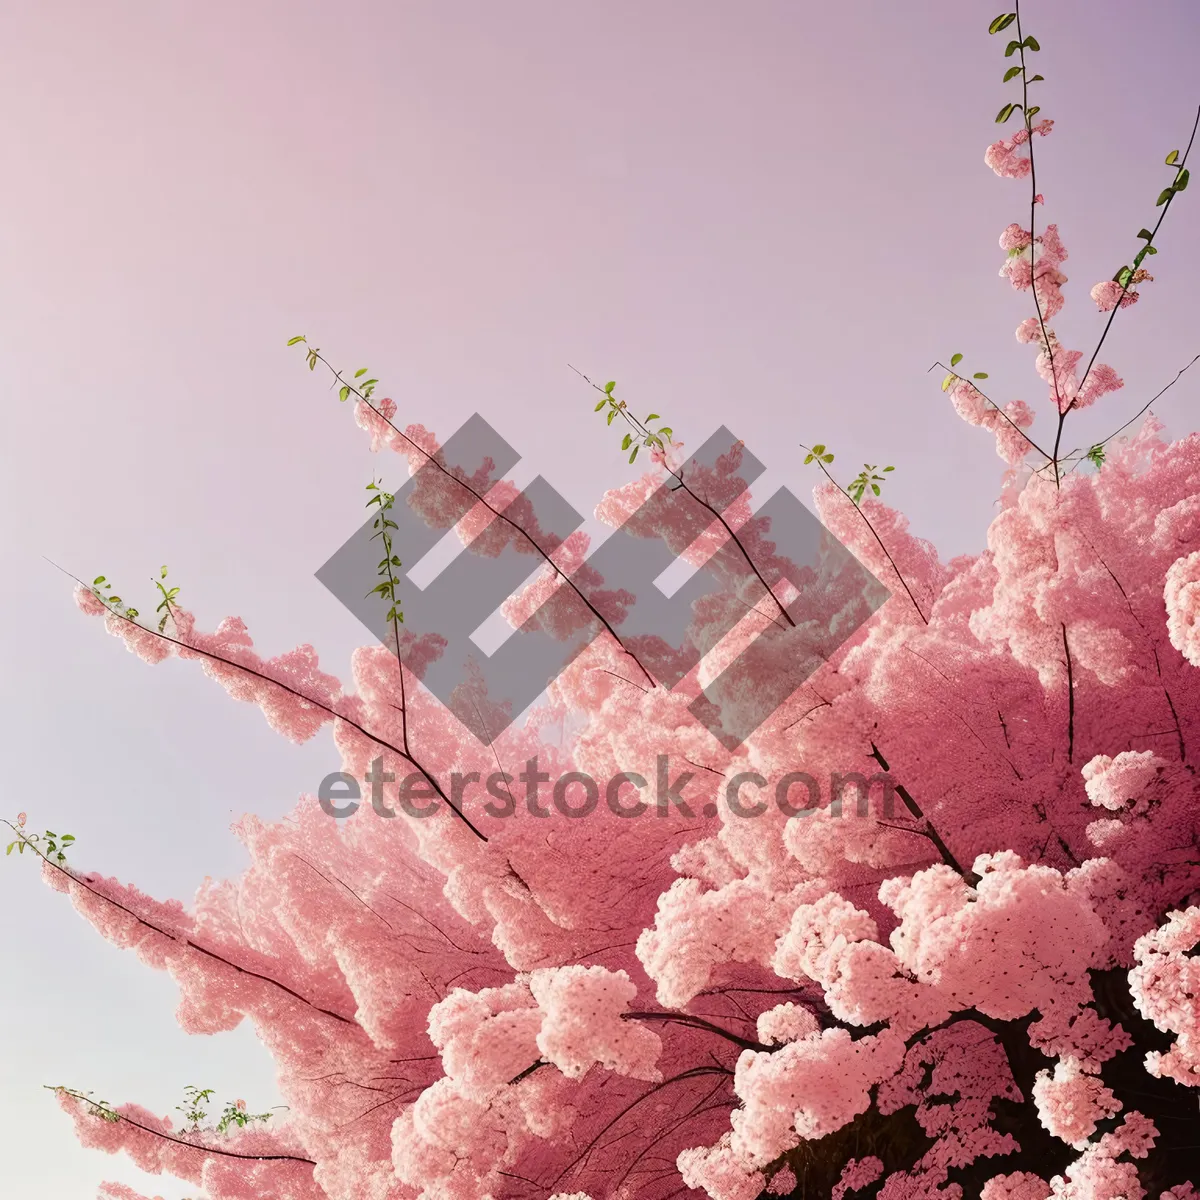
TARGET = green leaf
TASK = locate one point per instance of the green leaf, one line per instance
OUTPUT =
(955, 359)
(294, 340)
(10, 846)
(360, 371)
(1003, 21)
(819, 449)
(889, 468)
(608, 387)
(1151, 250)
(1145, 233)
(634, 454)
(948, 381)
(1182, 181)
(653, 417)
(99, 579)
(1029, 112)
(979, 375)
(1012, 72)
(611, 414)
(1031, 43)
(600, 406)
(875, 488)
(625, 441)
(369, 382)
(1005, 113)
(1011, 49)
(1172, 158)
(827, 458)
(1166, 194)
(1035, 79)
(344, 393)
(115, 599)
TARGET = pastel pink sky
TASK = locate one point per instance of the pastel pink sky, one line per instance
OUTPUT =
(769, 214)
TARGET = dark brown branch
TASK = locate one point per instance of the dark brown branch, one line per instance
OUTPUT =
(692, 1073)
(403, 753)
(989, 400)
(185, 941)
(695, 1022)
(527, 1072)
(1070, 699)
(929, 831)
(179, 1141)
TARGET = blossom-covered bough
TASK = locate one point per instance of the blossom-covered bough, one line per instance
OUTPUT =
(991, 991)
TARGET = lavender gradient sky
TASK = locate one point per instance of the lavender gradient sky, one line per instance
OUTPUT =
(770, 214)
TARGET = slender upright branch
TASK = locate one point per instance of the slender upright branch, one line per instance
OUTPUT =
(866, 521)
(1070, 698)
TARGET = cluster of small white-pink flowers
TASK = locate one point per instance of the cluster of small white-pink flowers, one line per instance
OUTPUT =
(1003, 156)
(1164, 985)
(1182, 595)
(582, 1024)
(696, 929)
(783, 1182)
(670, 455)
(1127, 912)
(1020, 1185)
(817, 934)
(1071, 1103)
(1006, 423)
(445, 1143)
(786, 1023)
(1118, 783)
(807, 1089)
(1100, 1173)
(1071, 1030)
(1108, 293)
(1017, 941)
(833, 943)
(486, 1038)
(1058, 367)
(720, 1171)
(857, 1174)
(1035, 261)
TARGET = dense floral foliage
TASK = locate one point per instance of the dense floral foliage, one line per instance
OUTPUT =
(990, 991)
